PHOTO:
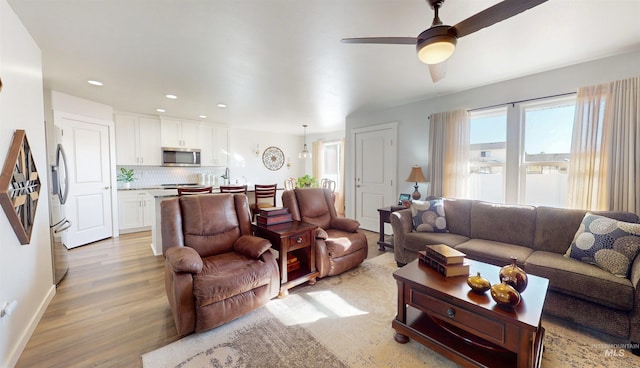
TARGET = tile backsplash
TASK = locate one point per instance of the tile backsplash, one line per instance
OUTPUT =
(150, 176)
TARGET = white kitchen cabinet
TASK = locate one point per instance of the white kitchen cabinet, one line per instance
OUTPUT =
(214, 140)
(135, 211)
(137, 140)
(180, 133)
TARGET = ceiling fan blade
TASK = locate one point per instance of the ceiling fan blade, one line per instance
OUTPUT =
(384, 40)
(492, 15)
(438, 71)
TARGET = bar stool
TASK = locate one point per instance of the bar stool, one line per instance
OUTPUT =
(233, 189)
(290, 184)
(187, 190)
(265, 196)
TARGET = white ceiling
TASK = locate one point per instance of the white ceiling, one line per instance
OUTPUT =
(279, 63)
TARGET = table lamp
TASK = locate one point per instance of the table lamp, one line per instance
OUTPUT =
(416, 176)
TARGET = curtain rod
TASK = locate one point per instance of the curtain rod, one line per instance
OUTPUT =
(520, 101)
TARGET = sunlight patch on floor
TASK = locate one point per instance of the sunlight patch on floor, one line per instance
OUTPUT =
(304, 308)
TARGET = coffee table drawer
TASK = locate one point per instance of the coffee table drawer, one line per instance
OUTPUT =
(486, 328)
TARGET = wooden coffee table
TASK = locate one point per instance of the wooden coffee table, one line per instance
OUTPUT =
(471, 329)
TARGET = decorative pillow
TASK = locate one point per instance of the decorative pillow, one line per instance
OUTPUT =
(428, 216)
(609, 244)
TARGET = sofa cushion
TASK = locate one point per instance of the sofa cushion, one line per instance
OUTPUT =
(513, 224)
(415, 241)
(581, 280)
(610, 244)
(458, 216)
(556, 228)
(429, 216)
(493, 252)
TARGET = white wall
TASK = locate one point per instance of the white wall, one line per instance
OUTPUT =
(25, 270)
(243, 161)
(412, 118)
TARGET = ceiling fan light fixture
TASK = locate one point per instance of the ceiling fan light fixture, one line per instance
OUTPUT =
(436, 49)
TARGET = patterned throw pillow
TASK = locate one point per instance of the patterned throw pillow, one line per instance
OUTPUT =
(428, 216)
(610, 244)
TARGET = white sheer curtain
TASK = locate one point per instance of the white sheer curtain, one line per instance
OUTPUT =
(587, 163)
(605, 150)
(623, 135)
(449, 153)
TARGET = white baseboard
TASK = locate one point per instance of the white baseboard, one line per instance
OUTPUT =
(13, 357)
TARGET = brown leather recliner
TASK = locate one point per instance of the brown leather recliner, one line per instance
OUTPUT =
(340, 244)
(215, 269)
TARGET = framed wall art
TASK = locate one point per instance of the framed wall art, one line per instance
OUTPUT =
(273, 158)
(20, 187)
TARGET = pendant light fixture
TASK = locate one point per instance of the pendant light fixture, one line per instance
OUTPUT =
(304, 154)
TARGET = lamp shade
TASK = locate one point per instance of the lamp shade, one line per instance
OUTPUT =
(416, 175)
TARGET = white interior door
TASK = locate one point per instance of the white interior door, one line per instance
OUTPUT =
(375, 170)
(89, 204)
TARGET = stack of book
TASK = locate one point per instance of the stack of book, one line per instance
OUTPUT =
(444, 259)
(292, 262)
(272, 216)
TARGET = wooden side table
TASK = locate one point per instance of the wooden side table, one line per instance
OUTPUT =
(385, 214)
(296, 239)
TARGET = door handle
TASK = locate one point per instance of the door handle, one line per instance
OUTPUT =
(63, 227)
(358, 186)
(107, 188)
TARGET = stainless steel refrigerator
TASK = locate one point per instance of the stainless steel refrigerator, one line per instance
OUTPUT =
(59, 191)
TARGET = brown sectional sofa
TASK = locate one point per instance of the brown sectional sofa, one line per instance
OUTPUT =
(539, 238)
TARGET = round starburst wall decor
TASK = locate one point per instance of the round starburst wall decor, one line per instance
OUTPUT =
(273, 158)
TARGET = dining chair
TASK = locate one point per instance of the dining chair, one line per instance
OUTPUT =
(233, 189)
(290, 184)
(329, 184)
(189, 190)
(264, 196)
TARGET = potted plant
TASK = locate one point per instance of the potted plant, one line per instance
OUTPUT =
(306, 181)
(126, 176)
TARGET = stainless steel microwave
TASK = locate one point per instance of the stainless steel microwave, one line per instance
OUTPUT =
(177, 156)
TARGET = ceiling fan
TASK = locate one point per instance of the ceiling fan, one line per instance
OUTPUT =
(437, 43)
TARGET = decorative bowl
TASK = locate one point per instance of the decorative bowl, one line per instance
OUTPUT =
(478, 284)
(505, 295)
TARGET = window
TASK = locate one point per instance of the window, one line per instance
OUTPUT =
(487, 154)
(520, 153)
(547, 144)
(331, 161)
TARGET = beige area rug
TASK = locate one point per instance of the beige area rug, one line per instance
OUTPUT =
(345, 321)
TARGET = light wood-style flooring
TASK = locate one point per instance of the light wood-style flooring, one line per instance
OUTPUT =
(110, 308)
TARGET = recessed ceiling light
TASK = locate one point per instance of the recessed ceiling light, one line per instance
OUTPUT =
(203, 116)
(161, 110)
(171, 97)
(221, 105)
(95, 82)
